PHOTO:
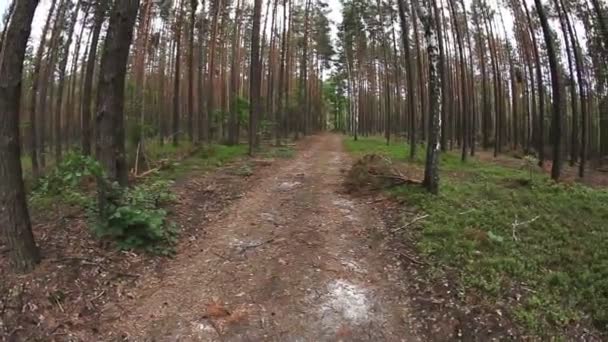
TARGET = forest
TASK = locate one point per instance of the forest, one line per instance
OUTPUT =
(314, 170)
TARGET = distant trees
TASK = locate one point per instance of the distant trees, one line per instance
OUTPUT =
(495, 89)
(187, 75)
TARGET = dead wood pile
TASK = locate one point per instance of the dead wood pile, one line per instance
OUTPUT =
(374, 172)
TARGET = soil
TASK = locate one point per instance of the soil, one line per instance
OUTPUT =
(296, 259)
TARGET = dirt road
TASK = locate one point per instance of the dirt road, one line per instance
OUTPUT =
(295, 259)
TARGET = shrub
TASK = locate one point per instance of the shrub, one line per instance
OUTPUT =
(133, 217)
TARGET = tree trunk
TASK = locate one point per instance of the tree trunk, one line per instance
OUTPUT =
(255, 75)
(177, 77)
(541, 93)
(555, 82)
(47, 79)
(202, 122)
(14, 216)
(574, 151)
(409, 66)
(431, 172)
(34, 94)
(61, 85)
(110, 135)
(216, 5)
(580, 71)
(234, 82)
(87, 98)
(194, 5)
(282, 107)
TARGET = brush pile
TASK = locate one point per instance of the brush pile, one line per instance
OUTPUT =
(376, 172)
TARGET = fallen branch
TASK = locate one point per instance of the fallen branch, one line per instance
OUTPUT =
(399, 179)
(411, 223)
(163, 164)
(410, 258)
(517, 224)
(255, 245)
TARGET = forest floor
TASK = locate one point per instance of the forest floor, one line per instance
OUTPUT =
(294, 259)
(511, 245)
(277, 248)
(593, 177)
(270, 249)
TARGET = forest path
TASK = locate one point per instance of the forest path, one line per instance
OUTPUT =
(295, 259)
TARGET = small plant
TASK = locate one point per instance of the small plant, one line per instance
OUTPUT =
(243, 171)
(69, 181)
(133, 217)
(284, 153)
(530, 164)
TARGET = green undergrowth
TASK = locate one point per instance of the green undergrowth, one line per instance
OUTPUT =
(515, 237)
(281, 152)
(203, 159)
(136, 217)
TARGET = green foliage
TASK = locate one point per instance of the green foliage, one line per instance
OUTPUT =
(282, 152)
(135, 220)
(68, 181)
(133, 217)
(266, 128)
(205, 159)
(155, 151)
(244, 171)
(136, 131)
(505, 235)
(219, 116)
(242, 105)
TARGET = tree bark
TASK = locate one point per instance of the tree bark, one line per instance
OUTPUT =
(234, 82)
(431, 172)
(193, 6)
(177, 76)
(555, 82)
(61, 85)
(87, 98)
(540, 145)
(409, 65)
(110, 136)
(34, 94)
(15, 225)
(255, 75)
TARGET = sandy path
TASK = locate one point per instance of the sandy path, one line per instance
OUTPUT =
(293, 260)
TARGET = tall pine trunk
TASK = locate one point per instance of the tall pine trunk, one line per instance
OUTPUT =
(255, 76)
(15, 225)
(431, 172)
(556, 122)
(87, 98)
(34, 94)
(110, 137)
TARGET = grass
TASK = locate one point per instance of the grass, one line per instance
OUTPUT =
(206, 158)
(215, 155)
(557, 260)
